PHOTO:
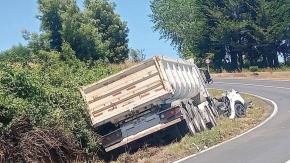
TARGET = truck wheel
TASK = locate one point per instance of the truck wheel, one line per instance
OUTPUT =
(188, 121)
(240, 110)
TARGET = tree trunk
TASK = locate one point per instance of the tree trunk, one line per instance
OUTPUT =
(275, 60)
(218, 62)
(251, 58)
(265, 61)
(241, 62)
(234, 61)
(270, 61)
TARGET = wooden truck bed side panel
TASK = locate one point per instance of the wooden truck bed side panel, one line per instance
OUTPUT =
(120, 93)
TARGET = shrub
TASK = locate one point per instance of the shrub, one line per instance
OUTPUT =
(253, 68)
(45, 89)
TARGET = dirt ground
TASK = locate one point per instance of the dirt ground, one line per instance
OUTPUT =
(285, 75)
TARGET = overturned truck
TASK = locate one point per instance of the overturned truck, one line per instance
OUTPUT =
(149, 97)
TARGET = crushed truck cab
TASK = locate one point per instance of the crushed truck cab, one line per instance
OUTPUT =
(148, 97)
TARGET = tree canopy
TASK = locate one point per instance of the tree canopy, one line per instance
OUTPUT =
(95, 33)
(238, 32)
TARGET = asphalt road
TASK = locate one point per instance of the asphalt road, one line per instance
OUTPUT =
(269, 143)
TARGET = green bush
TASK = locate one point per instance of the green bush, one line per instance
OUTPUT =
(45, 89)
(253, 68)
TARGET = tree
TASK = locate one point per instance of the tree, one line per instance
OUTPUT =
(51, 22)
(36, 41)
(136, 55)
(273, 22)
(82, 36)
(95, 33)
(114, 32)
(234, 30)
(182, 23)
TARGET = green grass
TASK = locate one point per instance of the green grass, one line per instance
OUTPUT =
(225, 130)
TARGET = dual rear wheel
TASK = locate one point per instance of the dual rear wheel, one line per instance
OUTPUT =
(194, 120)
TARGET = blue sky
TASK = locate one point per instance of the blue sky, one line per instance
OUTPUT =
(17, 15)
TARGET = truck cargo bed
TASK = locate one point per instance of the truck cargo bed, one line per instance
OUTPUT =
(151, 82)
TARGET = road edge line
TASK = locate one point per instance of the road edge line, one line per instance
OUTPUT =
(255, 85)
(238, 136)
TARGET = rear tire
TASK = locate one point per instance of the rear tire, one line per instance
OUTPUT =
(240, 110)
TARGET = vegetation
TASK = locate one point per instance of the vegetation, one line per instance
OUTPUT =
(40, 81)
(253, 68)
(95, 33)
(44, 88)
(238, 33)
(23, 143)
(136, 55)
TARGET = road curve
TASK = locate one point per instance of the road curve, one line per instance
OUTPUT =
(269, 143)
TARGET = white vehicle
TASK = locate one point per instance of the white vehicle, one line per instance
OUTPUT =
(149, 97)
(232, 105)
(237, 103)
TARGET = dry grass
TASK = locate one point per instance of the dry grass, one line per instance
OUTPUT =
(225, 130)
(125, 65)
(271, 75)
(23, 143)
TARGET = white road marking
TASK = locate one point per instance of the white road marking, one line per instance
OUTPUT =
(261, 124)
(256, 85)
(281, 80)
(287, 161)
